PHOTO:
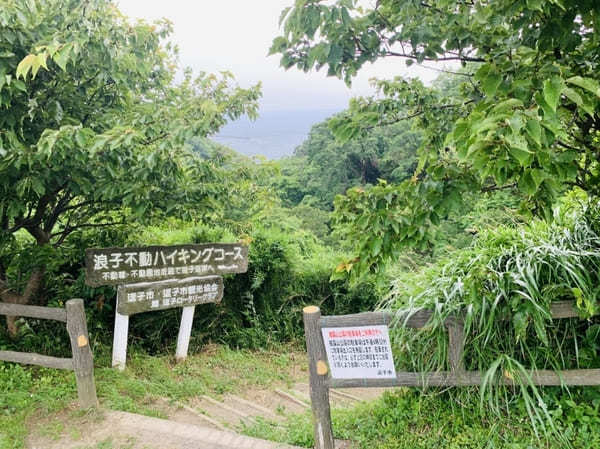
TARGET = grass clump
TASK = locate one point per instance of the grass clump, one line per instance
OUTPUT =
(503, 286)
(412, 419)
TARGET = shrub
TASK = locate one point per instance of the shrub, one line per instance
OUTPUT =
(504, 285)
(288, 269)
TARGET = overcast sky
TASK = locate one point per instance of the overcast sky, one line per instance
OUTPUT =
(235, 35)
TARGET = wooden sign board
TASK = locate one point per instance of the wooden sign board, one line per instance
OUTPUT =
(359, 352)
(117, 266)
(152, 296)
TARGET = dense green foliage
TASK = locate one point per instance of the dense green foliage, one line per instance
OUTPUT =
(525, 117)
(503, 286)
(521, 116)
(96, 130)
(411, 419)
(323, 166)
(288, 270)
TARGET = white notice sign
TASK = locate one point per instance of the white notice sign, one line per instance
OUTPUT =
(360, 352)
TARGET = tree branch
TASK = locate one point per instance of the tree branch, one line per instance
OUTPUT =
(495, 187)
(155, 139)
(70, 229)
(567, 146)
(447, 71)
(59, 209)
(444, 58)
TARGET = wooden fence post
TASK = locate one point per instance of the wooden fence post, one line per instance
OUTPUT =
(83, 363)
(318, 369)
(456, 345)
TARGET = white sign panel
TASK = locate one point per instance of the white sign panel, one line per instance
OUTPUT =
(360, 352)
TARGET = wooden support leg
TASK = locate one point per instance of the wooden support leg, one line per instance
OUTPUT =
(319, 392)
(83, 363)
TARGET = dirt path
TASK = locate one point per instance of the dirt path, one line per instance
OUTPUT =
(203, 422)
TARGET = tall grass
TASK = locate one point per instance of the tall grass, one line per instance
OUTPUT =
(503, 285)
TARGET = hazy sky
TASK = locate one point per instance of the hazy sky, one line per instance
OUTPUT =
(235, 35)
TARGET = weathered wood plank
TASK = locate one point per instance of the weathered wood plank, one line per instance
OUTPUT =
(83, 363)
(587, 377)
(456, 345)
(44, 313)
(559, 309)
(563, 309)
(318, 370)
(414, 320)
(29, 358)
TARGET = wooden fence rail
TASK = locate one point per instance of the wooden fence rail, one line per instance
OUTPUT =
(82, 361)
(321, 381)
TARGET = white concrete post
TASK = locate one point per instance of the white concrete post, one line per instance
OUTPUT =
(119, 355)
(185, 331)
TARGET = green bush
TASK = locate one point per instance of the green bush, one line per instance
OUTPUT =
(288, 269)
(504, 285)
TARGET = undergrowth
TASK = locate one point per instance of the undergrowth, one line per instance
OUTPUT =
(503, 287)
(413, 419)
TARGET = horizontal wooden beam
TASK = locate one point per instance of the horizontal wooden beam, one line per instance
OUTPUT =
(563, 309)
(29, 358)
(586, 377)
(45, 313)
(416, 320)
(413, 320)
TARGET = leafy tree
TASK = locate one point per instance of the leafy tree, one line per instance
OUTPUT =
(323, 166)
(93, 129)
(527, 116)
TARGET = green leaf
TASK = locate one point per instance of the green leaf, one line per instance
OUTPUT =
(538, 176)
(61, 57)
(548, 111)
(20, 85)
(574, 96)
(376, 247)
(521, 154)
(588, 84)
(25, 66)
(540, 330)
(552, 90)
(506, 105)
(346, 19)
(35, 66)
(520, 323)
(489, 78)
(535, 4)
(527, 184)
(38, 186)
(534, 130)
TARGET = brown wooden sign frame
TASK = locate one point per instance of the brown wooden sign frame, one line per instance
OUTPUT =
(321, 381)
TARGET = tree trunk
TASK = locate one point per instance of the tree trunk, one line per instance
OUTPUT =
(34, 285)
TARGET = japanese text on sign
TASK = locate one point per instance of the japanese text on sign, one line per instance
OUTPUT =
(111, 266)
(361, 352)
(143, 297)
